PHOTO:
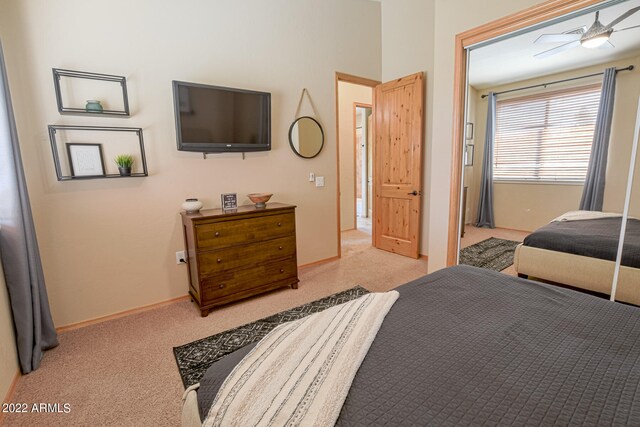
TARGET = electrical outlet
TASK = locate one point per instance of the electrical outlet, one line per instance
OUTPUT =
(180, 258)
(319, 181)
(312, 176)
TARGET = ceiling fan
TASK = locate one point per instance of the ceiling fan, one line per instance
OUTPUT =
(596, 36)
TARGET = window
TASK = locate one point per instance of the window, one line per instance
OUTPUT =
(546, 137)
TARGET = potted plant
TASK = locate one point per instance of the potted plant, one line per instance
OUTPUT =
(124, 162)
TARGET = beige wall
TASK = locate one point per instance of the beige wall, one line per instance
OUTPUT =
(8, 353)
(529, 206)
(419, 35)
(108, 245)
(407, 48)
(452, 17)
(348, 93)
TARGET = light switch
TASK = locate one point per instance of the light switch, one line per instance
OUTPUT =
(312, 176)
(320, 181)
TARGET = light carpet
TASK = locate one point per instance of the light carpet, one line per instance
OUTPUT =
(123, 373)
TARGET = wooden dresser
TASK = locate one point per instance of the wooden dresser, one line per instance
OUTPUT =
(239, 254)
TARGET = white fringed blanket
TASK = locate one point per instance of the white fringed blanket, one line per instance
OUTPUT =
(301, 372)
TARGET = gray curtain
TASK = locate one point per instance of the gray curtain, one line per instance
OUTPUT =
(485, 204)
(593, 192)
(18, 245)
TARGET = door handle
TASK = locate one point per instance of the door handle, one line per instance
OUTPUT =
(415, 193)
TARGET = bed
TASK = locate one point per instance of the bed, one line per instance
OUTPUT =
(579, 249)
(470, 346)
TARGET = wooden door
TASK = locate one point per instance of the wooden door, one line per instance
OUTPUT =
(398, 165)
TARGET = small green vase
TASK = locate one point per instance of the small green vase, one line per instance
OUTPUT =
(93, 106)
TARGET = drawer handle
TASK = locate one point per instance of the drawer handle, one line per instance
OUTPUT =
(221, 286)
(282, 270)
(217, 234)
(279, 224)
(280, 248)
(219, 260)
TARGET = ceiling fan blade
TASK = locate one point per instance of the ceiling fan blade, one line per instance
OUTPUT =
(622, 17)
(557, 49)
(557, 38)
(628, 28)
(606, 45)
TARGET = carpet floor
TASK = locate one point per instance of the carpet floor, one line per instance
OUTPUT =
(123, 372)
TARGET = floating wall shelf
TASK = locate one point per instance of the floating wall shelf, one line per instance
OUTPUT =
(86, 158)
(58, 74)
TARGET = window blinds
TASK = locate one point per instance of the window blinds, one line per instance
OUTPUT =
(546, 137)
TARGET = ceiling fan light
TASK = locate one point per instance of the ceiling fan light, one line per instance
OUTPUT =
(595, 41)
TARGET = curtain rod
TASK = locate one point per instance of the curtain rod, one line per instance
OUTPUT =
(629, 68)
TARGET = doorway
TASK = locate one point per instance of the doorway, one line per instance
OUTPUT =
(396, 158)
(354, 108)
(363, 171)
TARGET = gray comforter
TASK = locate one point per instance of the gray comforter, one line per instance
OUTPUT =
(469, 346)
(595, 238)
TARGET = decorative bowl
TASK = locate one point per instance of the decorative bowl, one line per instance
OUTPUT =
(260, 199)
(192, 205)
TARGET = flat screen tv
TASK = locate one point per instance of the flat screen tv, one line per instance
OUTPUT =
(213, 119)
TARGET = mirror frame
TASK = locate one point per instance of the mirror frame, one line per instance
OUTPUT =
(291, 141)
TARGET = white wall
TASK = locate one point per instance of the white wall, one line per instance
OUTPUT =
(348, 94)
(8, 353)
(108, 245)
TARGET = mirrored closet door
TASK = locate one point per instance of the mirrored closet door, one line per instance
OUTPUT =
(536, 101)
(627, 273)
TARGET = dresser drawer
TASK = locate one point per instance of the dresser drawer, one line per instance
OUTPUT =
(233, 281)
(235, 232)
(213, 262)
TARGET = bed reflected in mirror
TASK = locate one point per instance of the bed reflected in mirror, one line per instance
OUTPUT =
(552, 137)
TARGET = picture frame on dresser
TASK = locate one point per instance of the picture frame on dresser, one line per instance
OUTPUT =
(229, 201)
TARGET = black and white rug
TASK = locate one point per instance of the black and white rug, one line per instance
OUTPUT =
(194, 358)
(492, 254)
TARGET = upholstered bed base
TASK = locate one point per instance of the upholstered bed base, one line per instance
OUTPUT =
(190, 413)
(582, 272)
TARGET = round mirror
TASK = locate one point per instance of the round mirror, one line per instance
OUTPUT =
(306, 137)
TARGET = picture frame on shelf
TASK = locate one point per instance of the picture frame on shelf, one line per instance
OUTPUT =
(85, 159)
(229, 201)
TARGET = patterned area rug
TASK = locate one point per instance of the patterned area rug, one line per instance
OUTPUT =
(492, 254)
(194, 359)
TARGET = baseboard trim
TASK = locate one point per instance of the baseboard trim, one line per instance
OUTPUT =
(503, 228)
(144, 308)
(12, 389)
(120, 314)
(425, 257)
(322, 261)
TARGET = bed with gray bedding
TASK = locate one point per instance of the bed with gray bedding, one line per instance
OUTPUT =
(595, 238)
(470, 346)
